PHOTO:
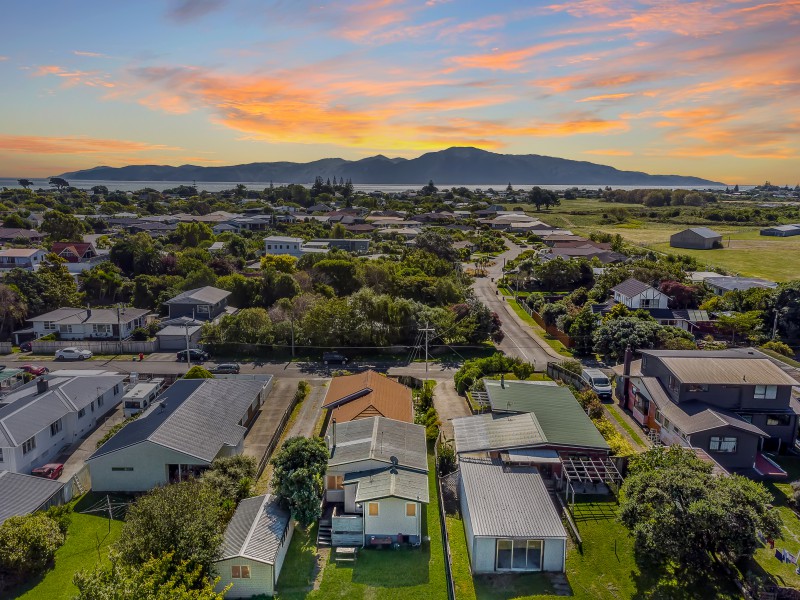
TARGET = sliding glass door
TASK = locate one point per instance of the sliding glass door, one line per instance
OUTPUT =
(519, 555)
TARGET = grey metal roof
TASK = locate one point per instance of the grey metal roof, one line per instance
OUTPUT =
(178, 330)
(77, 316)
(204, 295)
(29, 412)
(726, 282)
(756, 370)
(705, 232)
(379, 438)
(285, 239)
(256, 530)
(508, 502)
(632, 287)
(390, 483)
(23, 494)
(493, 432)
(199, 417)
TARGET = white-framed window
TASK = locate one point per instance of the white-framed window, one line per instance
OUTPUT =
(373, 509)
(722, 444)
(49, 326)
(659, 417)
(335, 482)
(240, 572)
(674, 384)
(65, 328)
(101, 329)
(519, 555)
(55, 428)
(28, 445)
(203, 308)
(766, 392)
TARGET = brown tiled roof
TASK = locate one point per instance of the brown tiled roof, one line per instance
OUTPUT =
(368, 394)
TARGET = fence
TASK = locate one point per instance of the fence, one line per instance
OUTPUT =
(550, 329)
(5, 347)
(556, 371)
(451, 586)
(262, 464)
(96, 346)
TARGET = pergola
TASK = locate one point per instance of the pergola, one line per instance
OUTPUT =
(582, 471)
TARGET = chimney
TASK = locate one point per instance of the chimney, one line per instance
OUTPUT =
(502, 381)
(626, 375)
(42, 385)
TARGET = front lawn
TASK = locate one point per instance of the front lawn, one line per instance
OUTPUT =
(376, 574)
(87, 545)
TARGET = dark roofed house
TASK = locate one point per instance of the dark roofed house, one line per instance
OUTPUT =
(782, 230)
(204, 304)
(180, 434)
(23, 494)
(255, 545)
(696, 238)
(13, 234)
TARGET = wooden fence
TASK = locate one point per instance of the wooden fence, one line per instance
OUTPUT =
(555, 371)
(448, 561)
(276, 437)
(96, 346)
(550, 329)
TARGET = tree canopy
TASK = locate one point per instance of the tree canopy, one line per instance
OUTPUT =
(299, 467)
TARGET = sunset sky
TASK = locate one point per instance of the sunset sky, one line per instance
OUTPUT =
(706, 88)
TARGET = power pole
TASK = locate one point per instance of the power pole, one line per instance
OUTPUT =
(427, 330)
(775, 325)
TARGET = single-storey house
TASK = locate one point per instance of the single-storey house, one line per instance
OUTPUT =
(254, 548)
(179, 436)
(39, 419)
(368, 394)
(90, 323)
(277, 244)
(21, 258)
(14, 234)
(354, 245)
(510, 522)
(696, 238)
(22, 494)
(724, 284)
(204, 304)
(376, 483)
(782, 230)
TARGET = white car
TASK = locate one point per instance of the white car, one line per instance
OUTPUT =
(73, 354)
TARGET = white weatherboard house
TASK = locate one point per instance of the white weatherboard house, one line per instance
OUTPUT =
(277, 244)
(255, 545)
(42, 417)
(179, 436)
(510, 522)
(89, 323)
(376, 483)
(635, 294)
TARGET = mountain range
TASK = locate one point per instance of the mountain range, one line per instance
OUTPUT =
(467, 166)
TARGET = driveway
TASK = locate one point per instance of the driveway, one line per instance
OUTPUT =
(268, 418)
(310, 410)
(75, 457)
(449, 405)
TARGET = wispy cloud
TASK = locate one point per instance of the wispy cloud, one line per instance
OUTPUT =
(74, 145)
(2, 58)
(89, 54)
(73, 77)
(186, 11)
(509, 60)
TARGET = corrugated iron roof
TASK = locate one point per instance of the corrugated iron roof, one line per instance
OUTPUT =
(351, 395)
(23, 494)
(256, 530)
(492, 432)
(632, 287)
(508, 502)
(726, 370)
(380, 439)
(390, 483)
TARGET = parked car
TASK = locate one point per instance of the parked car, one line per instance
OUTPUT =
(226, 369)
(35, 369)
(334, 357)
(73, 354)
(49, 471)
(597, 381)
(194, 353)
(25, 347)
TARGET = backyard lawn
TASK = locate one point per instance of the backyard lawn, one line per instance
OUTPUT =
(79, 552)
(377, 574)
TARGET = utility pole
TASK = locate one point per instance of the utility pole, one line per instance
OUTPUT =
(427, 330)
(188, 354)
(775, 325)
(119, 330)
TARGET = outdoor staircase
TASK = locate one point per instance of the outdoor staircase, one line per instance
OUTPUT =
(324, 534)
(78, 485)
(654, 438)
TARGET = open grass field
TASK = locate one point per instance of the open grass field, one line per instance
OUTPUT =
(86, 547)
(606, 568)
(376, 574)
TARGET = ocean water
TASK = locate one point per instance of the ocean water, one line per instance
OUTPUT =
(218, 186)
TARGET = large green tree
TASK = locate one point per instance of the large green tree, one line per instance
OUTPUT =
(298, 469)
(683, 516)
(613, 336)
(63, 227)
(13, 309)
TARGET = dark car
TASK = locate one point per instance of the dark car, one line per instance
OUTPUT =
(226, 369)
(25, 347)
(49, 471)
(334, 357)
(194, 354)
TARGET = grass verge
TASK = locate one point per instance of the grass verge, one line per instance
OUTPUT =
(778, 356)
(624, 424)
(549, 339)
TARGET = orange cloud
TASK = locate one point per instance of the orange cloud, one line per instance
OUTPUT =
(512, 60)
(602, 97)
(74, 145)
(75, 77)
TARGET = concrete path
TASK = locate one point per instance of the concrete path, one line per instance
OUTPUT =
(74, 458)
(310, 410)
(449, 405)
(266, 423)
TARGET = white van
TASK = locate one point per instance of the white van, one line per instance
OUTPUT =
(596, 380)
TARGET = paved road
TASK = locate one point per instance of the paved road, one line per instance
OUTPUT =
(520, 339)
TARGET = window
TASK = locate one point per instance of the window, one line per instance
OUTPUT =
(236, 572)
(55, 427)
(81, 412)
(373, 509)
(335, 482)
(659, 417)
(116, 389)
(101, 329)
(779, 419)
(722, 444)
(92, 405)
(245, 572)
(766, 392)
(519, 555)
(641, 404)
(122, 468)
(746, 418)
(411, 509)
(28, 445)
(674, 384)
(100, 400)
(647, 303)
(698, 387)
(49, 326)
(65, 328)
(1, 455)
(203, 309)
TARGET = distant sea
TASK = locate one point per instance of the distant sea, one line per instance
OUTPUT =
(218, 186)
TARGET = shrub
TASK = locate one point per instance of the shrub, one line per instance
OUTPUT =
(198, 372)
(779, 347)
(572, 365)
(115, 428)
(28, 544)
(447, 458)
(62, 515)
(523, 370)
(140, 334)
(232, 476)
(473, 369)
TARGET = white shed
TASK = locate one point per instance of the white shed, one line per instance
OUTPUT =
(254, 548)
(510, 522)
